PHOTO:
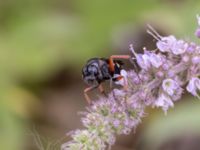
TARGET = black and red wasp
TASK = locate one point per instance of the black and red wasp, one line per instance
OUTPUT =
(98, 70)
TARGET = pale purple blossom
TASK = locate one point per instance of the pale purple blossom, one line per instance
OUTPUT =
(165, 66)
(159, 81)
(166, 43)
(185, 58)
(169, 86)
(191, 47)
(177, 95)
(194, 86)
(155, 60)
(148, 60)
(179, 47)
(143, 61)
(160, 74)
(196, 59)
(164, 101)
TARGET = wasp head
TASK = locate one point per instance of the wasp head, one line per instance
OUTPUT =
(90, 72)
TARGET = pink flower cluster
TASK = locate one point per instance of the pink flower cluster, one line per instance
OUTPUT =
(159, 82)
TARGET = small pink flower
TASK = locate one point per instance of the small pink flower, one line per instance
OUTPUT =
(196, 60)
(179, 47)
(166, 43)
(169, 86)
(160, 74)
(143, 61)
(194, 86)
(156, 60)
(116, 123)
(164, 101)
(191, 47)
(186, 58)
(119, 93)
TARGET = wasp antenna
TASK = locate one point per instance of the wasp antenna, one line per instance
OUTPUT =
(153, 32)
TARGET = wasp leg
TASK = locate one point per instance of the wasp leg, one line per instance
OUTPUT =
(101, 89)
(120, 56)
(86, 95)
(111, 63)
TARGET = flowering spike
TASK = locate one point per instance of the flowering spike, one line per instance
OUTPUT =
(159, 83)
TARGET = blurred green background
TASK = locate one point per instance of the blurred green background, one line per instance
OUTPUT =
(43, 46)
